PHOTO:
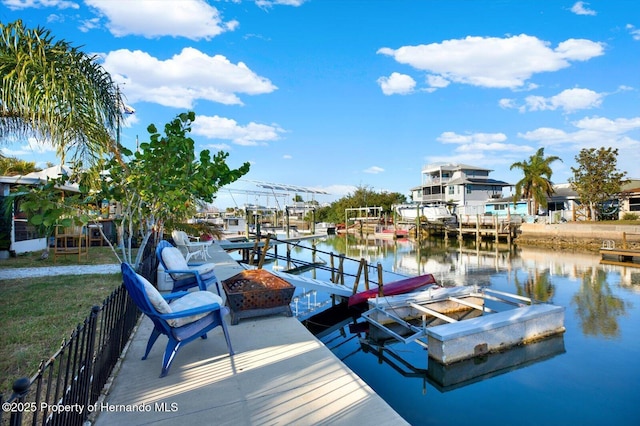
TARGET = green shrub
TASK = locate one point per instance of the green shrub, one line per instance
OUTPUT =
(630, 216)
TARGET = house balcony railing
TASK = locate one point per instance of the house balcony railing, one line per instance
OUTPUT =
(432, 181)
(433, 197)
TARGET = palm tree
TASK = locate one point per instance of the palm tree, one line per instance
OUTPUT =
(53, 91)
(536, 183)
(12, 166)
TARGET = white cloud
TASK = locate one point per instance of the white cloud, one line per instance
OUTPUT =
(437, 81)
(89, 24)
(452, 137)
(25, 4)
(569, 100)
(397, 84)
(184, 78)
(580, 8)
(617, 126)
(488, 149)
(340, 190)
(374, 170)
(635, 33)
(494, 62)
(287, 157)
(193, 19)
(225, 128)
(507, 103)
(218, 147)
(271, 3)
(32, 146)
(595, 132)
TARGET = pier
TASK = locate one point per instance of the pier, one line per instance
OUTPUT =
(280, 374)
(623, 256)
(257, 253)
(476, 226)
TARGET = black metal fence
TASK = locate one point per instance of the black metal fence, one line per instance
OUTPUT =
(67, 386)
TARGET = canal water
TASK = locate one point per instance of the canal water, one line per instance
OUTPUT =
(589, 375)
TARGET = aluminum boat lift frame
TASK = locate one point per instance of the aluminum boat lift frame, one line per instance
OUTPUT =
(386, 306)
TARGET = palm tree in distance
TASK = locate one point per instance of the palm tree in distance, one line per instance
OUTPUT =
(54, 92)
(536, 184)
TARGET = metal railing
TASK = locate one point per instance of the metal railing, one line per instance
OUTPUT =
(67, 386)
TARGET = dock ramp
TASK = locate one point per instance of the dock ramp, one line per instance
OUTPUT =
(315, 284)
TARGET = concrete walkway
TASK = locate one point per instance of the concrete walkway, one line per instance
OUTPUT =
(280, 375)
(47, 271)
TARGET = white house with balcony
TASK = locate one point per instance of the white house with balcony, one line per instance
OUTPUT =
(467, 188)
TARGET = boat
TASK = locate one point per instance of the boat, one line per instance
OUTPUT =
(325, 228)
(384, 232)
(405, 285)
(432, 212)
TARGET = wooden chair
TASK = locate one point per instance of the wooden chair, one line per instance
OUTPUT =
(71, 240)
(182, 317)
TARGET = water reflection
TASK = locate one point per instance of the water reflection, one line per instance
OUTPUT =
(536, 286)
(597, 307)
(530, 271)
(589, 375)
(449, 377)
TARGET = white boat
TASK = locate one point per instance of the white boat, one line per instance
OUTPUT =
(325, 228)
(432, 212)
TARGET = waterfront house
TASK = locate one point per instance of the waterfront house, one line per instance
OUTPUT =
(505, 206)
(16, 234)
(466, 188)
(630, 197)
(564, 204)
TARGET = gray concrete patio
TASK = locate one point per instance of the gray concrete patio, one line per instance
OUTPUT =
(280, 375)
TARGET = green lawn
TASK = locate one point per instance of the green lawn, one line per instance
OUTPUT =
(96, 256)
(37, 314)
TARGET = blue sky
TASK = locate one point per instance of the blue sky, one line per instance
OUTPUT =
(336, 94)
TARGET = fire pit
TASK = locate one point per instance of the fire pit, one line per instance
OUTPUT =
(257, 292)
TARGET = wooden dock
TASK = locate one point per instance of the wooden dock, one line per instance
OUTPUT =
(620, 257)
(611, 255)
(478, 226)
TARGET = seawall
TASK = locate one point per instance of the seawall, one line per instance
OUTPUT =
(578, 235)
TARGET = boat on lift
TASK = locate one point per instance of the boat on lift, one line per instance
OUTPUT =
(432, 212)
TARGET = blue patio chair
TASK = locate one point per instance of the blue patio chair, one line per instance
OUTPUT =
(183, 275)
(182, 316)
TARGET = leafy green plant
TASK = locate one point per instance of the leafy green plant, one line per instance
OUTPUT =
(597, 178)
(163, 182)
(159, 186)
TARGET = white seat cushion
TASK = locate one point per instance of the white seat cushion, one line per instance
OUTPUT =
(156, 299)
(192, 300)
(204, 268)
(174, 259)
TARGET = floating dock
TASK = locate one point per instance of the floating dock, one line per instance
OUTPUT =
(455, 324)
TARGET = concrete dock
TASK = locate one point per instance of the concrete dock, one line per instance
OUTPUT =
(280, 375)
